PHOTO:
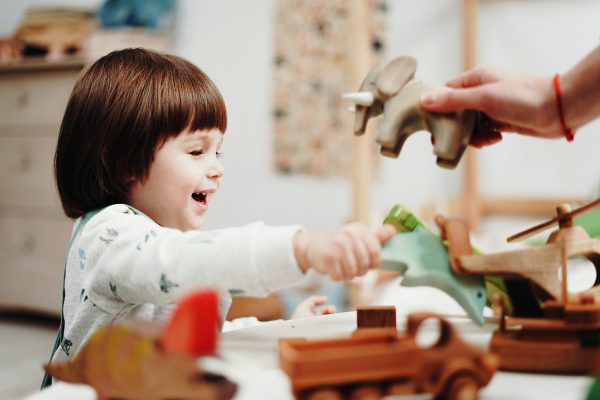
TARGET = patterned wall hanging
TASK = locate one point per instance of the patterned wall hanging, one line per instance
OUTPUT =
(313, 49)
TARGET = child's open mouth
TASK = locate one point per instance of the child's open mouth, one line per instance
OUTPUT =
(199, 197)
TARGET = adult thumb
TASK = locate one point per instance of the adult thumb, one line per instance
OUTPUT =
(450, 100)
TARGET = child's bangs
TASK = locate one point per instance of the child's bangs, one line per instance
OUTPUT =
(200, 107)
(184, 98)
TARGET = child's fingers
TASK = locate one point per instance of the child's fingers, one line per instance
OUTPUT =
(385, 233)
(348, 262)
(330, 309)
(335, 271)
(317, 300)
(358, 236)
(373, 246)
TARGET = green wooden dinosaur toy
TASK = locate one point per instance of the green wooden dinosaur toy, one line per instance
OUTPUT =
(421, 257)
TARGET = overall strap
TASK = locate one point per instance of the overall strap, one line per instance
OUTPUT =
(47, 381)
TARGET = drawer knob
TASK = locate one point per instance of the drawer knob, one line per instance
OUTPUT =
(28, 244)
(22, 99)
(24, 162)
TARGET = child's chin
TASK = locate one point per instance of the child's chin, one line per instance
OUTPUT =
(196, 224)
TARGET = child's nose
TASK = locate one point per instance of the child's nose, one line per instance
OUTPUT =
(216, 169)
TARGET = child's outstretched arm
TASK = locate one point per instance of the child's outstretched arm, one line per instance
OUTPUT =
(343, 254)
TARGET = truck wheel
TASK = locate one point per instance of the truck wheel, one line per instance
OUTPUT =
(366, 392)
(323, 394)
(462, 387)
(401, 387)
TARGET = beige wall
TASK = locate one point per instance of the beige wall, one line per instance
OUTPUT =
(231, 41)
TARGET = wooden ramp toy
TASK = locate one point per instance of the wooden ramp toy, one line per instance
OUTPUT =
(392, 90)
(378, 362)
(141, 360)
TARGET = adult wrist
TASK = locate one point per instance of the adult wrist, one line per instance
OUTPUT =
(550, 123)
(568, 132)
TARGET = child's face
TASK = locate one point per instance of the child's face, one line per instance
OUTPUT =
(183, 177)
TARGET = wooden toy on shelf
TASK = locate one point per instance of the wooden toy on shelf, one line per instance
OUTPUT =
(557, 332)
(141, 360)
(373, 363)
(392, 90)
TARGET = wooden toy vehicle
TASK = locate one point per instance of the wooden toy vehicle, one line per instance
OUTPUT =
(378, 362)
(141, 360)
(391, 89)
(550, 330)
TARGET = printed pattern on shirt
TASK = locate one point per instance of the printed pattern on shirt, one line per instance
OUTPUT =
(82, 259)
(165, 284)
(112, 234)
(206, 237)
(148, 236)
(113, 289)
(66, 345)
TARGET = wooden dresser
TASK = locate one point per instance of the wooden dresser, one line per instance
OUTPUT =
(34, 231)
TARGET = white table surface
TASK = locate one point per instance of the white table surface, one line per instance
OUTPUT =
(249, 357)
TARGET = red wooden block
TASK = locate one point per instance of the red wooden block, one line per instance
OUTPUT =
(194, 326)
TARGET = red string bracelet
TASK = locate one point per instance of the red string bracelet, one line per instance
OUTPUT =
(569, 133)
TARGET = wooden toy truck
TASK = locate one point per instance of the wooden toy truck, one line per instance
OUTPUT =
(376, 362)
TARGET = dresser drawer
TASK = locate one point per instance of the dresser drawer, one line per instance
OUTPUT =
(35, 97)
(33, 256)
(26, 171)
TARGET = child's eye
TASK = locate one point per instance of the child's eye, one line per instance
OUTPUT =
(196, 153)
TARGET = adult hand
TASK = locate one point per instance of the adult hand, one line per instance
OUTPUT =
(510, 102)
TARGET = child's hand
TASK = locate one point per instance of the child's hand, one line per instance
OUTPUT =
(310, 308)
(343, 254)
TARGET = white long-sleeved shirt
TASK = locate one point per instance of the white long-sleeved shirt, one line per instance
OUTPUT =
(122, 264)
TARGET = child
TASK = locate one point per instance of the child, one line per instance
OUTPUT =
(137, 163)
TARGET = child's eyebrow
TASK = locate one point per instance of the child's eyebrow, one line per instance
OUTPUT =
(194, 136)
(201, 136)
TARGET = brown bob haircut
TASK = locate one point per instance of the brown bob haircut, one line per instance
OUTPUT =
(121, 111)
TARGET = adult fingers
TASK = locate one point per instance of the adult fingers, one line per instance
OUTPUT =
(486, 133)
(454, 100)
(484, 138)
(471, 78)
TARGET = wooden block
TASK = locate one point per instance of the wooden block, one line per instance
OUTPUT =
(376, 317)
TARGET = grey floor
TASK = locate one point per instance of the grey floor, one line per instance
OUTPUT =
(25, 344)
